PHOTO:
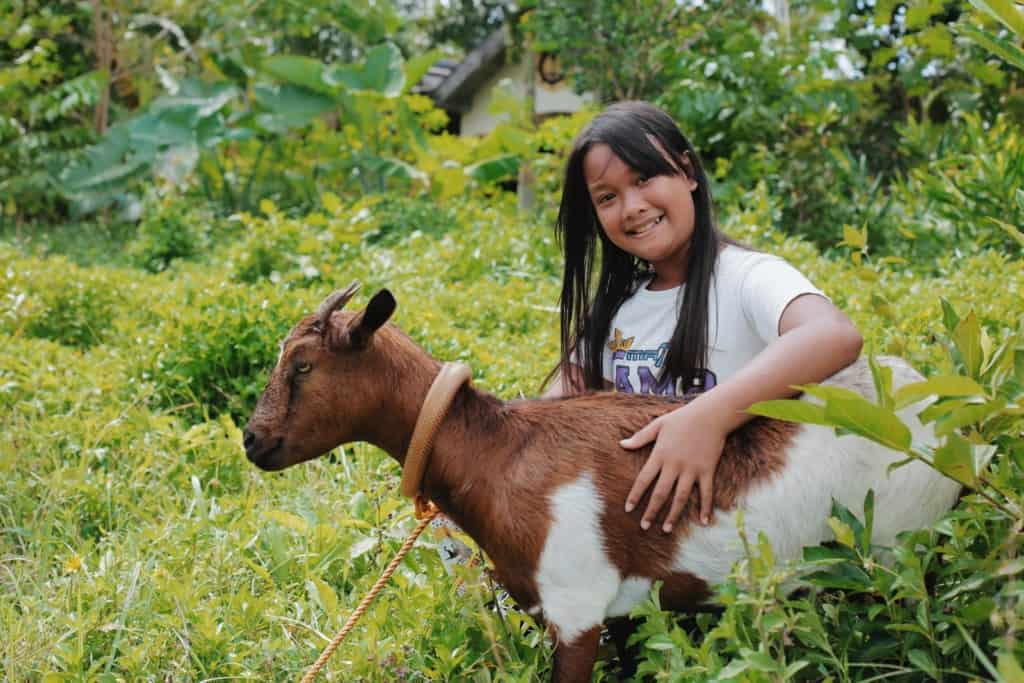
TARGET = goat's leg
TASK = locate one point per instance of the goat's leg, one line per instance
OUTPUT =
(620, 629)
(574, 661)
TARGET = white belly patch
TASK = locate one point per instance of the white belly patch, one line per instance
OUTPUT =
(575, 579)
(579, 586)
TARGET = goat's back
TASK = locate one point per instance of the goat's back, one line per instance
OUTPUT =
(783, 475)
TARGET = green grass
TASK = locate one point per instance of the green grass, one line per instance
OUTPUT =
(136, 542)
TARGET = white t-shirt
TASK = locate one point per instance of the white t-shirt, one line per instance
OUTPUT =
(750, 290)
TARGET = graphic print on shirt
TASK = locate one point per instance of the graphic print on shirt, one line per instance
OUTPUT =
(638, 370)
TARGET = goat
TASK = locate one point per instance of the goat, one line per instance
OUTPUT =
(541, 484)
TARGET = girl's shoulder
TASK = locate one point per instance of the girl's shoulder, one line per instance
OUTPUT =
(736, 261)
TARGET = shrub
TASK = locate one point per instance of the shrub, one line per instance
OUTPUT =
(969, 184)
(56, 300)
(393, 218)
(294, 250)
(167, 232)
(216, 345)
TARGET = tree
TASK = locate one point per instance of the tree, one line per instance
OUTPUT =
(611, 48)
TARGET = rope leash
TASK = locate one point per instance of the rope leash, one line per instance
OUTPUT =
(435, 407)
(430, 514)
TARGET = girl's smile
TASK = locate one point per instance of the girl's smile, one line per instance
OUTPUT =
(646, 227)
(649, 218)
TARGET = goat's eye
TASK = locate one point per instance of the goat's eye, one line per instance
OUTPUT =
(303, 368)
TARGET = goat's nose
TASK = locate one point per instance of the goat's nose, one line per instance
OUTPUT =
(248, 439)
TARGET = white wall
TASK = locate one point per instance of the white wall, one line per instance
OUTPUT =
(478, 121)
(558, 99)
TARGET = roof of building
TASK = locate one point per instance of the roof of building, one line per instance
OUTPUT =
(452, 85)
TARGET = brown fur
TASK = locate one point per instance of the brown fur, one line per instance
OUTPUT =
(494, 463)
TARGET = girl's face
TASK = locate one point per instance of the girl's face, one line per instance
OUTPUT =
(649, 218)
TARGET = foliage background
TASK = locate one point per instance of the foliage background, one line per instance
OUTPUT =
(180, 183)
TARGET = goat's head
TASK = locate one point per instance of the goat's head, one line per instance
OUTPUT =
(314, 399)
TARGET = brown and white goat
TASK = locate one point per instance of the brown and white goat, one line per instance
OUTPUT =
(541, 484)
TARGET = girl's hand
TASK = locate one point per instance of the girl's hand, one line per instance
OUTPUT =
(687, 449)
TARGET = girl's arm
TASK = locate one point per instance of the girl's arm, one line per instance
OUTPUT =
(816, 341)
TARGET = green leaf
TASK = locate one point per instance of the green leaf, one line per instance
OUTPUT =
(362, 546)
(1003, 49)
(883, 11)
(968, 414)
(380, 72)
(733, 669)
(851, 411)
(937, 41)
(118, 173)
(827, 554)
(659, 641)
(979, 611)
(846, 576)
(852, 237)
(893, 466)
(940, 409)
(923, 661)
(949, 317)
(794, 668)
(1007, 228)
(842, 532)
(940, 385)
(1009, 668)
(495, 169)
(288, 520)
(304, 72)
(881, 375)
(760, 661)
(206, 98)
(869, 522)
(411, 126)
(1019, 193)
(967, 339)
(791, 410)
(326, 596)
(843, 515)
(289, 106)
(955, 459)
(1006, 12)
(513, 139)
(417, 66)
(919, 13)
(395, 168)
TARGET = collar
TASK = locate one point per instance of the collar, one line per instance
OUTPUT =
(432, 412)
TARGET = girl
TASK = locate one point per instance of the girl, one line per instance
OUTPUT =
(678, 308)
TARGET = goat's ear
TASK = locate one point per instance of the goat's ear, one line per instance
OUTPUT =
(377, 312)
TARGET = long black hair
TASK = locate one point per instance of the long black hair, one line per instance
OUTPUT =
(636, 132)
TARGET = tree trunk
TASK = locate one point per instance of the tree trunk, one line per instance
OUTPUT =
(104, 48)
(782, 15)
(526, 191)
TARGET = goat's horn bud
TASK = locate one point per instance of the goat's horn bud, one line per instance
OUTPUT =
(335, 301)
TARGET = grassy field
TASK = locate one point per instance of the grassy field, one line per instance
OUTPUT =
(136, 542)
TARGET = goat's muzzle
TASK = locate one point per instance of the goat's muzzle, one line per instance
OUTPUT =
(261, 451)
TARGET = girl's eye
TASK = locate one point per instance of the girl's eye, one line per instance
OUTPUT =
(303, 368)
(605, 198)
(642, 180)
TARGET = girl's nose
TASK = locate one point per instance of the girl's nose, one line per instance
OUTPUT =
(635, 206)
